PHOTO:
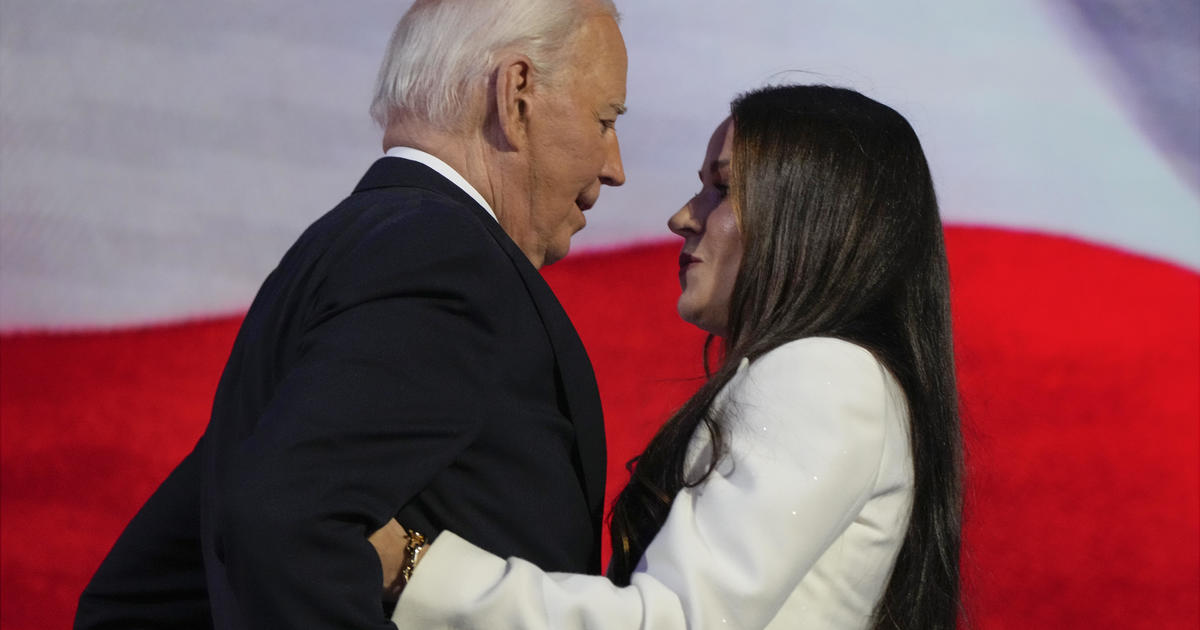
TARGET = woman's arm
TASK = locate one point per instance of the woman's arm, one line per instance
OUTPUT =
(807, 427)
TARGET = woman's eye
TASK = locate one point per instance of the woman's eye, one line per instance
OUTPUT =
(721, 188)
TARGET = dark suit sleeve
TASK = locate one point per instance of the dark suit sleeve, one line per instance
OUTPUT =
(393, 381)
(165, 534)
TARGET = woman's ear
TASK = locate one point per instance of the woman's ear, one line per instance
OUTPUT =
(513, 90)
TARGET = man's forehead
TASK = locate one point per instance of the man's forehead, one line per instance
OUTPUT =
(601, 49)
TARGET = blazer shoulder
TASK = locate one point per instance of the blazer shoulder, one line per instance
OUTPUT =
(821, 361)
(809, 390)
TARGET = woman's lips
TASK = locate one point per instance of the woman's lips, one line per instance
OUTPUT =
(687, 260)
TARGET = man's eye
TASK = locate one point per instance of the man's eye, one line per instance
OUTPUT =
(605, 125)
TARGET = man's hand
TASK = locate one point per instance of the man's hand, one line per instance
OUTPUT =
(389, 542)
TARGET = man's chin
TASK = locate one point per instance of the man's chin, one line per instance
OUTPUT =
(557, 252)
(552, 257)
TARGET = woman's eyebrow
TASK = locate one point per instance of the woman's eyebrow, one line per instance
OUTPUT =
(717, 165)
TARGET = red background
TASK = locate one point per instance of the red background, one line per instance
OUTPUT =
(1079, 369)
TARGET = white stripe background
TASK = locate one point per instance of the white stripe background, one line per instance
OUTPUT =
(158, 157)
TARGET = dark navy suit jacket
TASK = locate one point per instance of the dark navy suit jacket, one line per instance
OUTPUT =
(403, 358)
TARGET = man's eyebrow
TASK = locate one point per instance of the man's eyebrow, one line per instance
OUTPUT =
(618, 108)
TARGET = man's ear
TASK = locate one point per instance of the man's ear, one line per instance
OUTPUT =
(513, 90)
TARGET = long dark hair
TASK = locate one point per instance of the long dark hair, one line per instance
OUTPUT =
(841, 238)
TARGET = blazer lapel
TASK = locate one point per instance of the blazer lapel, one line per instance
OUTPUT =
(577, 380)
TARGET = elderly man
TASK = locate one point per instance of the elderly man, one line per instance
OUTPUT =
(406, 357)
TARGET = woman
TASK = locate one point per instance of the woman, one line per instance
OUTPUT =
(813, 481)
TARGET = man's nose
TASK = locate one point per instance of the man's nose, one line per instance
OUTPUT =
(613, 173)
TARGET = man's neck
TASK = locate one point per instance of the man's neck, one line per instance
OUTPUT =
(495, 174)
(465, 153)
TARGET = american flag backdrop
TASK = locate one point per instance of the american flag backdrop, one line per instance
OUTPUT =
(158, 158)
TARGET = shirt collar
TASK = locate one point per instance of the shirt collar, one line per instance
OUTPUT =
(443, 169)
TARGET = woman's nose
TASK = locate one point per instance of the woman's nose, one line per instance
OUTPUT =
(684, 221)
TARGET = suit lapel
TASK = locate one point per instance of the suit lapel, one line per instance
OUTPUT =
(578, 383)
(577, 380)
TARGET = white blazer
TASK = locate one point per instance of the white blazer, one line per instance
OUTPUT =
(799, 527)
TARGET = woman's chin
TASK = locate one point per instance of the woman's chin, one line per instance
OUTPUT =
(701, 319)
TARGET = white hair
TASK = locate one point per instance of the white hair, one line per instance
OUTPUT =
(444, 50)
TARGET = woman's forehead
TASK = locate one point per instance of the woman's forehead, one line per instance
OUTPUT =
(720, 147)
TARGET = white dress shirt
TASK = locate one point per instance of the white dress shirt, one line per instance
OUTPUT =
(443, 169)
(798, 527)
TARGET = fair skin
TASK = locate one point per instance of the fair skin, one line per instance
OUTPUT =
(712, 246)
(389, 542)
(709, 262)
(539, 152)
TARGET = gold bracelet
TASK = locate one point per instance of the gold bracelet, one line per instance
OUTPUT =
(416, 542)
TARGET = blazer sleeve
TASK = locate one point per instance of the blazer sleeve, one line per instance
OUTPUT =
(390, 384)
(807, 430)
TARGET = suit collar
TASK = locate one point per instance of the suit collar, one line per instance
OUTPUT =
(389, 172)
(443, 169)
